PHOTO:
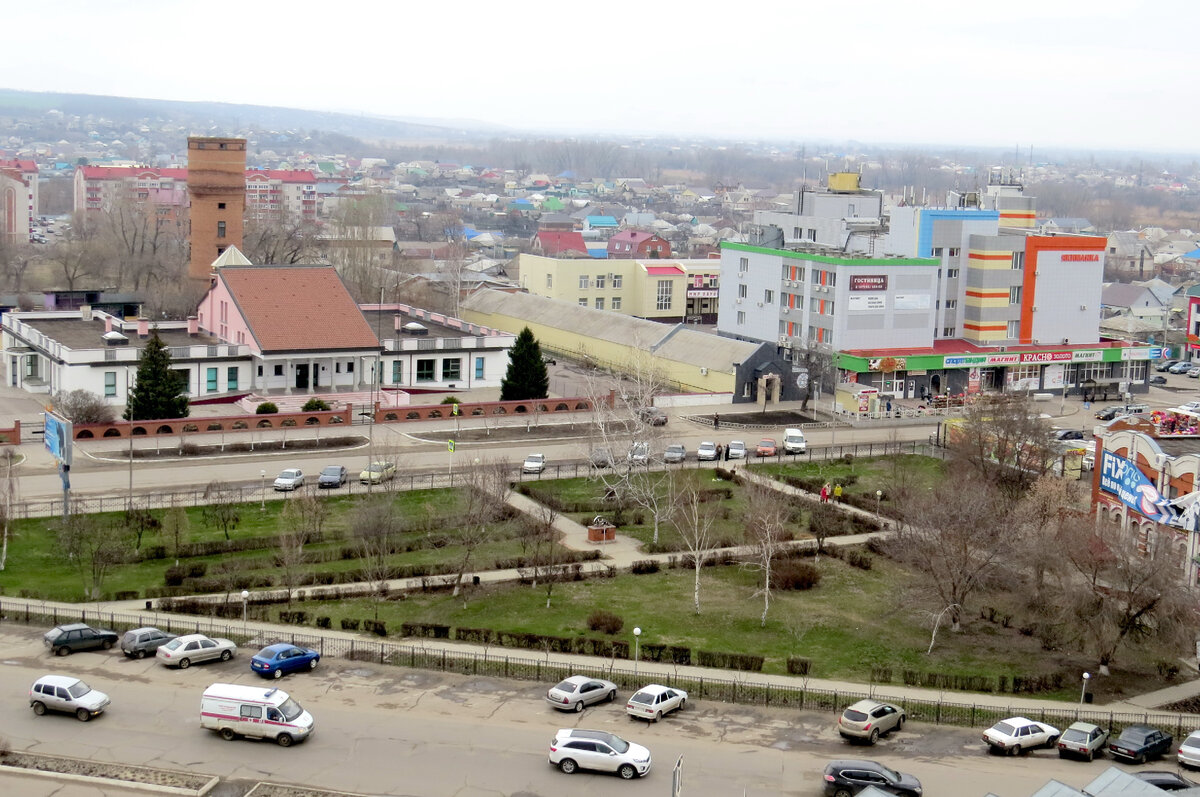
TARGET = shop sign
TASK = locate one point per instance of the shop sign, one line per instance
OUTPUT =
(692, 293)
(1121, 477)
(887, 364)
(960, 360)
(1136, 354)
(1093, 258)
(1004, 359)
(864, 282)
(1091, 356)
(1045, 356)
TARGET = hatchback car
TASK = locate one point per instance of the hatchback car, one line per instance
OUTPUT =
(846, 777)
(735, 450)
(674, 454)
(572, 750)
(65, 639)
(1158, 380)
(870, 719)
(68, 694)
(1165, 780)
(377, 473)
(1166, 365)
(706, 451)
(1181, 367)
(276, 661)
(1082, 739)
(290, 479)
(140, 641)
(766, 447)
(184, 651)
(332, 476)
(1140, 743)
(578, 691)
(1068, 434)
(1017, 735)
(1189, 751)
(534, 463)
(1193, 373)
(654, 701)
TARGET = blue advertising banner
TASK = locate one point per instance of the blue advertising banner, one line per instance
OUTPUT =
(56, 436)
(1121, 477)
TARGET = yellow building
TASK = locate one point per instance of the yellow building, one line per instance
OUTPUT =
(679, 290)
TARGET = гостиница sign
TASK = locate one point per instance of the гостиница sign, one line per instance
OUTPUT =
(1122, 478)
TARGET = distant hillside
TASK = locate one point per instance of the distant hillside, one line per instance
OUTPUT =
(220, 118)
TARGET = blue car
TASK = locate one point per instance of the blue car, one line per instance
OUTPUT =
(276, 661)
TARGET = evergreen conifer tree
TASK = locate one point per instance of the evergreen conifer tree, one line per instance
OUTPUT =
(157, 392)
(526, 377)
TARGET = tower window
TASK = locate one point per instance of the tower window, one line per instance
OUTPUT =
(220, 229)
(220, 206)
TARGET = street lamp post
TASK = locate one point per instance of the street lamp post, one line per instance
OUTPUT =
(245, 603)
(878, 498)
(262, 492)
(637, 633)
(1083, 692)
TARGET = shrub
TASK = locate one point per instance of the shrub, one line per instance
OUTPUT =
(267, 408)
(377, 627)
(729, 661)
(644, 567)
(314, 404)
(795, 575)
(859, 559)
(324, 622)
(349, 624)
(799, 665)
(174, 575)
(605, 621)
(451, 400)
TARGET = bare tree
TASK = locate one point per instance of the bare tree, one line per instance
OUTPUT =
(486, 488)
(281, 240)
(1041, 519)
(1004, 442)
(693, 517)
(303, 519)
(82, 406)
(176, 525)
(94, 546)
(223, 507)
(140, 521)
(374, 527)
(544, 557)
(8, 500)
(812, 362)
(766, 533)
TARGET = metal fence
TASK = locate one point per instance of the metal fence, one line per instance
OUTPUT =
(738, 688)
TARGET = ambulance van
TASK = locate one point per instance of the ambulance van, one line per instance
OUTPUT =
(233, 710)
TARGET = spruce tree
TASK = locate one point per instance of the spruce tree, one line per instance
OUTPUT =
(157, 392)
(526, 377)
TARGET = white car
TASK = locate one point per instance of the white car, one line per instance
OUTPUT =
(184, 651)
(534, 463)
(1189, 751)
(1016, 735)
(639, 454)
(578, 691)
(706, 451)
(290, 479)
(572, 750)
(68, 694)
(653, 701)
(736, 450)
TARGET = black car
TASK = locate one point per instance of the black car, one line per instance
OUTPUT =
(1165, 364)
(1139, 743)
(1167, 781)
(846, 777)
(1158, 380)
(653, 416)
(1068, 434)
(332, 476)
(64, 639)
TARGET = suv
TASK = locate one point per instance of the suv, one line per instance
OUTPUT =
(1116, 411)
(869, 719)
(64, 639)
(653, 416)
(64, 693)
(140, 641)
(572, 750)
(850, 777)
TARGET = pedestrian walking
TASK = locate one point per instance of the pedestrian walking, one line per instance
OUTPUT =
(837, 493)
(720, 451)
(726, 453)
(716, 421)
(825, 493)
(889, 406)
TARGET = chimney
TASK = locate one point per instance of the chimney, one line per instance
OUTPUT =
(193, 326)
(397, 321)
(85, 312)
(107, 324)
(143, 327)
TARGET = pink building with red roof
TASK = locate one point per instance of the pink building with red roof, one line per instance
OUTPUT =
(18, 199)
(555, 243)
(638, 245)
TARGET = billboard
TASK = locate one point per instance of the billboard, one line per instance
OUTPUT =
(868, 282)
(57, 437)
(1122, 478)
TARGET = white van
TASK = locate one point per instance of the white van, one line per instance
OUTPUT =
(234, 710)
(794, 442)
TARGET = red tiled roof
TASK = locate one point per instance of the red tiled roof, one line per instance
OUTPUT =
(298, 308)
(633, 236)
(19, 165)
(556, 241)
(661, 271)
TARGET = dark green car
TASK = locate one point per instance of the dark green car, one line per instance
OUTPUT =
(64, 639)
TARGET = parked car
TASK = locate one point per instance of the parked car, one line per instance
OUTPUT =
(534, 463)
(1082, 739)
(1165, 780)
(845, 777)
(68, 694)
(1068, 434)
(1165, 365)
(1158, 380)
(378, 473)
(1017, 735)
(1181, 367)
(601, 458)
(639, 454)
(766, 447)
(1140, 743)
(654, 701)
(870, 719)
(706, 451)
(333, 476)
(572, 750)
(290, 479)
(653, 416)
(578, 691)
(675, 453)
(794, 442)
(65, 639)
(140, 641)
(736, 450)
(1191, 406)
(1193, 373)
(1188, 755)
(1116, 411)
(184, 651)
(276, 661)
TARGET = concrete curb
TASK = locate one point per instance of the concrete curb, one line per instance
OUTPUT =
(119, 782)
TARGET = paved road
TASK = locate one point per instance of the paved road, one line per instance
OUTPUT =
(404, 732)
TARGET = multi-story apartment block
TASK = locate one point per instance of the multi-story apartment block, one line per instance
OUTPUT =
(18, 199)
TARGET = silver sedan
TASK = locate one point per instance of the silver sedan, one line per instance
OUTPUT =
(185, 651)
(578, 691)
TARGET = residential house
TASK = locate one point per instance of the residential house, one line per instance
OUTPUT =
(636, 244)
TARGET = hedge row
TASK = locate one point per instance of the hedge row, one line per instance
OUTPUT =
(1015, 684)
(217, 547)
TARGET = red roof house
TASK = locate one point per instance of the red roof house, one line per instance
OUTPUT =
(635, 244)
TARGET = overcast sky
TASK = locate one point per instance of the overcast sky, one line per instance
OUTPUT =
(1100, 74)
